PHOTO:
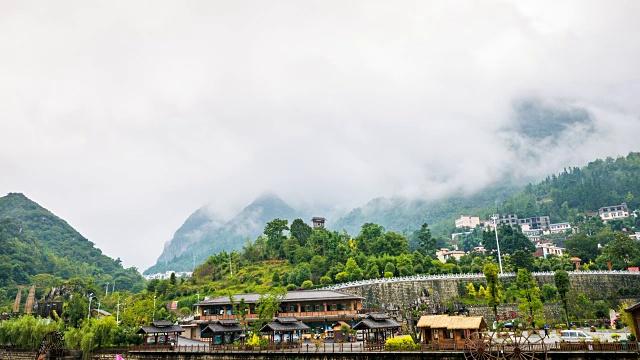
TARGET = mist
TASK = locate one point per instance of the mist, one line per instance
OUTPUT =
(123, 118)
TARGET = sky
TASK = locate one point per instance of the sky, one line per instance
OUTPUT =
(124, 117)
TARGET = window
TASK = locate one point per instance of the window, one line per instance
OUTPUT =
(292, 308)
(334, 307)
(435, 334)
(307, 308)
(318, 307)
(450, 334)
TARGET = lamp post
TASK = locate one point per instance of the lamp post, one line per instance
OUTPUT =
(495, 222)
(90, 298)
(118, 312)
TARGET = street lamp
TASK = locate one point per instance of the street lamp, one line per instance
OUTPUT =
(495, 222)
(153, 318)
(90, 298)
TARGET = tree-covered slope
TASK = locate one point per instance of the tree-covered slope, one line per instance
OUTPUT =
(578, 190)
(35, 241)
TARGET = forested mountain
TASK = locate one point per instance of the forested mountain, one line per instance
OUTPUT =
(566, 196)
(406, 215)
(203, 236)
(33, 241)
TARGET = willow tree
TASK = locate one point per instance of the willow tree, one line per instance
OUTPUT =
(493, 291)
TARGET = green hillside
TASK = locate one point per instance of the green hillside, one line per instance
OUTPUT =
(37, 245)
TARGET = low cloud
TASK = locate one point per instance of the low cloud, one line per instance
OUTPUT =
(123, 118)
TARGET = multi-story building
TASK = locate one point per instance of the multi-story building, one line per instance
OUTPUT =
(614, 212)
(532, 223)
(559, 228)
(467, 221)
(316, 308)
(545, 249)
(444, 254)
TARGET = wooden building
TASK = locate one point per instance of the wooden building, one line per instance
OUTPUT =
(285, 327)
(223, 332)
(377, 328)
(635, 313)
(445, 329)
(161, 332)
(318, 309)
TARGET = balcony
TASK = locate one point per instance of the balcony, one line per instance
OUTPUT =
(299, 315)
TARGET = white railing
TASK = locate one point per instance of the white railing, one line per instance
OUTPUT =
(468, 276)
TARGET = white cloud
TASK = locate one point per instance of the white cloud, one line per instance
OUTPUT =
(123, 117)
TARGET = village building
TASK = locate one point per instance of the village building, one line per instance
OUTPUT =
(223, 332)
(318, 309)
(377, 328)
(467, 221)
(614, 212)
(161, 332)
(282, 329)
(318, 222)
(449, 330)
(444, 254)
(558, 228)
(545, 249)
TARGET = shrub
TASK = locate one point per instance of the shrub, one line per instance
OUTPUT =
(401, 343)
(307, 284)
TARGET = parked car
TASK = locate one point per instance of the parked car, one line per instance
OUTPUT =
(575, 336)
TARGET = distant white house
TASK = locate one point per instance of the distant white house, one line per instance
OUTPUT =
(614, 212)
(545, 249)
(467, 221)
(559, 227)
(444, 254)
(167, 275)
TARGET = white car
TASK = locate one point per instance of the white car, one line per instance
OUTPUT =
(575, 336)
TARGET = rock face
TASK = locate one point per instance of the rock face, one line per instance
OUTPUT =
(404, 294)
(202, 235)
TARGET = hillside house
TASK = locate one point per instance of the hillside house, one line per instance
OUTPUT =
(467, 221)
(614, 212)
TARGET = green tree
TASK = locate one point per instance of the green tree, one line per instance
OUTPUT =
(301, 231)
(522, 260)
(274, 231)
(353, 270)
(307, 284)
(426, 242)
(529, 296)
(561, 279)
(266, 307)
(493, 291)
(240, 309)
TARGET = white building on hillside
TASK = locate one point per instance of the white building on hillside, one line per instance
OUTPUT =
(467, 221)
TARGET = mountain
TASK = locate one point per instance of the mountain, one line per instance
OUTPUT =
(406, 215)
(202, 236)
(35, 241)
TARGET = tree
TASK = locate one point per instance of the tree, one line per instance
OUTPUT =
(307, 284)
(354, 271)
(266, 307)
(471, 290)
(622, 247)
(493, 291)
(426, 242)
(529, 296)
(522, 260)
(274, 231)
(582, 246)
(241, 309)
(301, 231)
(561, 279)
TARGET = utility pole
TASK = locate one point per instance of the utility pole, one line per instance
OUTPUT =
(153, 318)
(194, 262)
(113, 288)
(106, 289)
(90, 298)
(495, 222)
(118, 312)
(230, 267)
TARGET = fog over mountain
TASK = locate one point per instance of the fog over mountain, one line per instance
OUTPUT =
(126, 117)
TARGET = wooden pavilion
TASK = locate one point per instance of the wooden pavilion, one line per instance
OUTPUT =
(161, 332)
(283, 326)
(222, 332)
(376, 328)
(445, 329)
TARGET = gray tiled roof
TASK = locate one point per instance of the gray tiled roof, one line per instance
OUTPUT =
(219, 328)
(150, 329)
(289, 326)
(302, 295)
(377, 321)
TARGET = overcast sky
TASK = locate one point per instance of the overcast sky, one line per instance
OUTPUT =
(123, 117)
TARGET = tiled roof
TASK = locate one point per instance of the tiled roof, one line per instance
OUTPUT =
(219, 328)
(303, 295)
(376, 321)
(451, 322)
(150, 329)
(289, 326)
